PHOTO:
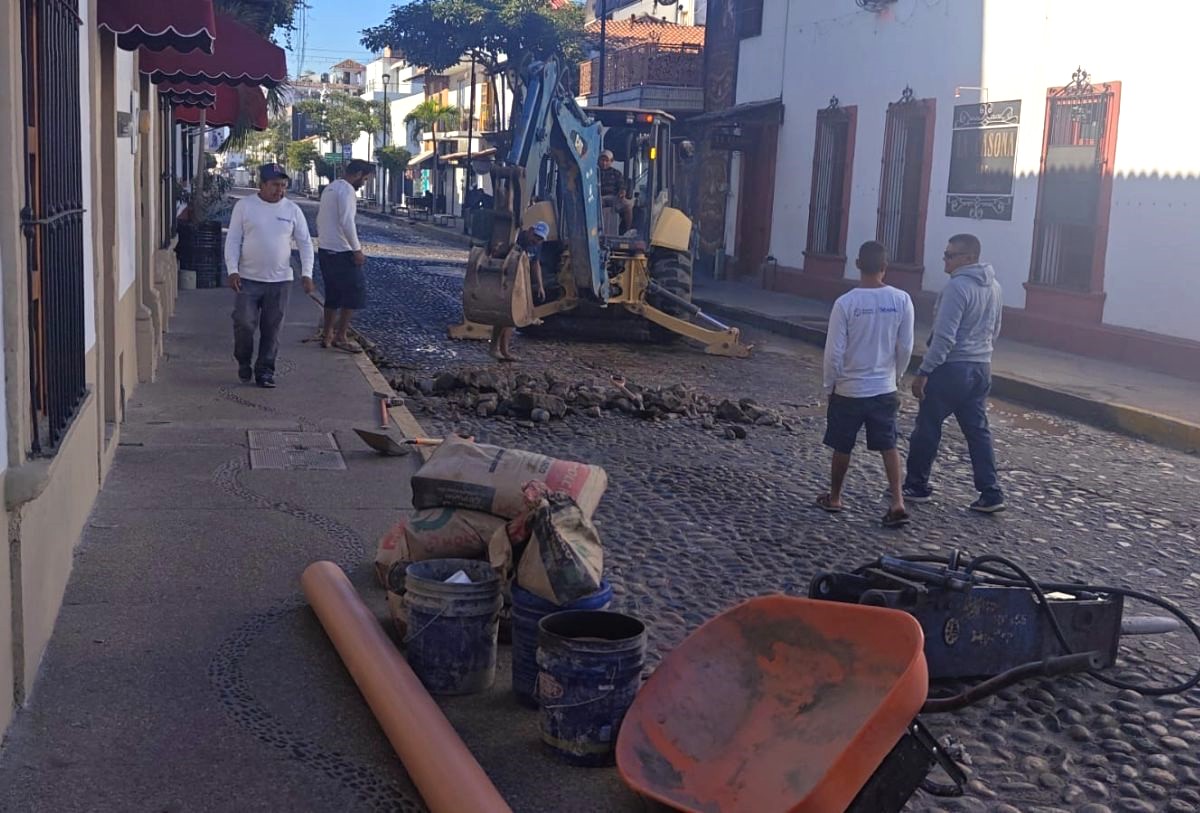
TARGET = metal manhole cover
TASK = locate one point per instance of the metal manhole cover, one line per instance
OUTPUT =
(294, 451)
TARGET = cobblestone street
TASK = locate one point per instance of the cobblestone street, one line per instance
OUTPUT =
(693, 522)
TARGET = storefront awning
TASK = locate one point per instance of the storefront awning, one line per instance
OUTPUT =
(231, 104)
(460, 156)
(189, 94)
(420, 159)
(156, 25)
(240, 57)
(756, 110)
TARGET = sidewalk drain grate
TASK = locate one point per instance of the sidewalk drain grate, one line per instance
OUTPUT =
(294, 451)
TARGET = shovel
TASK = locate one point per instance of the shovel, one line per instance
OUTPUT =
(386, 444)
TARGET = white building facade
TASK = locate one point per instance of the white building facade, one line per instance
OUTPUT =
(1051, 130)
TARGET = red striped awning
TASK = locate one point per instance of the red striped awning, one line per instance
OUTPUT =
(156, 25)
(231, 104)
(240, 57)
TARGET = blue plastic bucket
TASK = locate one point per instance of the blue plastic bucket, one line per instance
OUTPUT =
(590, 666)
(527, 611)
(451, 639)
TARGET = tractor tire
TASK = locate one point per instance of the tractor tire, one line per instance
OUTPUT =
(673, 271)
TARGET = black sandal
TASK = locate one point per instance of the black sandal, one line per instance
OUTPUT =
(826, 504)
(896, 519)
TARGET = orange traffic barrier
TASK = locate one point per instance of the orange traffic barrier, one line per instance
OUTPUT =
(779, 704)
(444, 771)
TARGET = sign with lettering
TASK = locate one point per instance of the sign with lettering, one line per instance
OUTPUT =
(983, 150)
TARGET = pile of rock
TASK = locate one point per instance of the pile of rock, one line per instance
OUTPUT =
(487, 393)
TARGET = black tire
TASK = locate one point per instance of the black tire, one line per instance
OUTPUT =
(673, 271)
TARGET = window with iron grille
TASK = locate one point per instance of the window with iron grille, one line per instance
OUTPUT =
(749, 17)
(166, 163)
(52, 218)
(1071, 226)
(829, 202)
(904, 184)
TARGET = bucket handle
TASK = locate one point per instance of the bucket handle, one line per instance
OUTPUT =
(409, 638)
(611, 688)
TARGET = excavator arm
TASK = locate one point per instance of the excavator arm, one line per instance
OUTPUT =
(553, 132)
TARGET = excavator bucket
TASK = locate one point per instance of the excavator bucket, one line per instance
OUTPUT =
(497, 292)
(780, 704)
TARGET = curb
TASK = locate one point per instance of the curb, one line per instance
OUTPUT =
(1165, 430)
(401, 416)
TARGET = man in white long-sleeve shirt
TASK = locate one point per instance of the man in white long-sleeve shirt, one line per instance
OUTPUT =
(258, 257)
(341, 255)
(867, 351)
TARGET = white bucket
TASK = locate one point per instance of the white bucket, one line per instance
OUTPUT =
(187, 280)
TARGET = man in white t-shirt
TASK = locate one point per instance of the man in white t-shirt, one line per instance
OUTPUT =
(258, 257)
(341, 255)
(867, 351)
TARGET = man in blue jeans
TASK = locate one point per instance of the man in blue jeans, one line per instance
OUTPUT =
(956, 375)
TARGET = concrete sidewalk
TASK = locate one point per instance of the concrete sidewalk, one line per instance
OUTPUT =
(186, 672)
(1114, 396)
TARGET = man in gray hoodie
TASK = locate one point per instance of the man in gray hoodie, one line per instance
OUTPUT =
(956, 374)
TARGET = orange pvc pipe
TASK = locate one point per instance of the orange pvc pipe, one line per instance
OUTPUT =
(444, 771)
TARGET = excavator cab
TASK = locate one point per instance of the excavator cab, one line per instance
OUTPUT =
(640, 141)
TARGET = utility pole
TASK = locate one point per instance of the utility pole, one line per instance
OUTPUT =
(387, 77)
(603, 6)
(470, 138)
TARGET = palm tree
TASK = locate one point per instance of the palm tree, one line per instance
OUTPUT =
(428, 115)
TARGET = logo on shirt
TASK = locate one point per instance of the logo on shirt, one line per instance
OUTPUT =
(283, 219)
(873, 311)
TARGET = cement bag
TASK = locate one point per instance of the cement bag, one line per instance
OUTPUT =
(509, 540)
(564, 560)
(436, 533)
(490, 479)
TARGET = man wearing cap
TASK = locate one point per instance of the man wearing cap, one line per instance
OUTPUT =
(530, 241)
(341, 255)
(612, 190)
(258, 254)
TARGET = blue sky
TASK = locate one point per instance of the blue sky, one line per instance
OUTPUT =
(333, 28)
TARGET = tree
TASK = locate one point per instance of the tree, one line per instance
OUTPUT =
(274, 140)
(341, 118)
(428, 115)
(301, 155)
(393, 158)
(325, 169)
(265, 16)
(438, 34)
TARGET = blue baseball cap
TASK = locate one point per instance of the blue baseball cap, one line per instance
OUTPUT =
(272, 172)
(541, 229)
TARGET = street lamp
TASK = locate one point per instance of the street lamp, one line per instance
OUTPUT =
(387, 77)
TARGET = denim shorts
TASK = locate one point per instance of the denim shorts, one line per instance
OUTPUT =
(345, 283)
(846, 416)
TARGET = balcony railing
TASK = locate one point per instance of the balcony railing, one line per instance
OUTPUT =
(645, 64)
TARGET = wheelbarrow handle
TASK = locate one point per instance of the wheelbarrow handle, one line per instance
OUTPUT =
(1050, 667)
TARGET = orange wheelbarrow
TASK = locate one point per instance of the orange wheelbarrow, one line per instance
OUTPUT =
(789, 704)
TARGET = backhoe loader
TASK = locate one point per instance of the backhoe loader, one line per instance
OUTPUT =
(589, 262)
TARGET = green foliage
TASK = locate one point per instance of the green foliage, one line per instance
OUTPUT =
(437, 34)
(264, 16)
(301, 155)
(432, 114)
(325, 169)
(393, 158)
(341, 118)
